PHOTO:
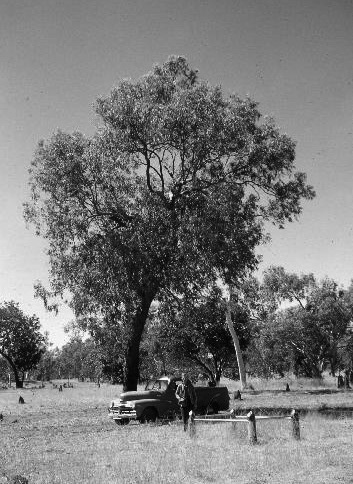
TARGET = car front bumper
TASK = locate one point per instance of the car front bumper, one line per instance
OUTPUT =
(117, 414)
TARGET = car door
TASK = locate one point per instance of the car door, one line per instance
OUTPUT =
(169, 403)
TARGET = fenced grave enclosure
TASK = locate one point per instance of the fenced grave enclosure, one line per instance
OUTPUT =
(250, 419)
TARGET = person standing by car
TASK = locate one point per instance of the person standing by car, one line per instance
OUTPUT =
(186, 396)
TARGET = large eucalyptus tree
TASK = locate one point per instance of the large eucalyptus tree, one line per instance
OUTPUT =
(171, 193)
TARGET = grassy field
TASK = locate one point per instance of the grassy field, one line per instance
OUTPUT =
(67, 438)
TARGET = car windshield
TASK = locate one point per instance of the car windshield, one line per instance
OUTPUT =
(160, 385)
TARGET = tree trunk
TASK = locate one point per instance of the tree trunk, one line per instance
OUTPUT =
(238, 352)
(334, 361)
(18, 381)
(132, 355)
(316, 371)
(132, 359)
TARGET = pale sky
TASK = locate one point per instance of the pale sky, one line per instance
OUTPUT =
(294, 57)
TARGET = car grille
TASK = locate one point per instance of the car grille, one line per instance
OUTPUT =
(122, 411)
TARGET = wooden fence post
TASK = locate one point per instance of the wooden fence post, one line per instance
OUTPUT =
(191, 424)
(295, 424)
(252, 427)
(232, 415)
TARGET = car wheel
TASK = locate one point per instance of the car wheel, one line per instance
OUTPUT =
(213, 408)
(123, 421)
(149, 415)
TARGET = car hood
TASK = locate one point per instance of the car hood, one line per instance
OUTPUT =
(146, 394)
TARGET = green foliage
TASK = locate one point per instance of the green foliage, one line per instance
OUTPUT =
(79, 359)
(306, 336)
(282, 286)
(107, 334)
(170, 194)
(47, 368)
(193, 334)
(4, 370)
(21, 342)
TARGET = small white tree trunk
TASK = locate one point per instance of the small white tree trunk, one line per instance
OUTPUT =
(238, 352)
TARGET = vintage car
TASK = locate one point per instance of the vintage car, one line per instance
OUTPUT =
(158, 400)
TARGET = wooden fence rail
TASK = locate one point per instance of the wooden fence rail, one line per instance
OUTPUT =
(250, 419)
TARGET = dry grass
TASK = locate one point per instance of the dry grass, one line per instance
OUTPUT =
(67, 438)
(304, 394)
(261, 384)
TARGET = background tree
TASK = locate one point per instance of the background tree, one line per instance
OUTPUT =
(169, 195)
(194, 333)
(232, 309)
(4, 370)
(345, 346)
(106, 333)
(80, 359)
(333, 311)
(307, 335)
(71, 357)
(267, 355)
(48, 366)
(280, 286)
(21, 342)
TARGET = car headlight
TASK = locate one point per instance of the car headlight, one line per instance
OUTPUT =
(129, 404)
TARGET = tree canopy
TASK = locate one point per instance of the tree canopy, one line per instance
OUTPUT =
(306, 335)
(170, 194)
(194, 332)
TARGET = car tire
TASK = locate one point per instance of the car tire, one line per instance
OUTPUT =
(213, 408)
(123, 421)
(149, 415)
